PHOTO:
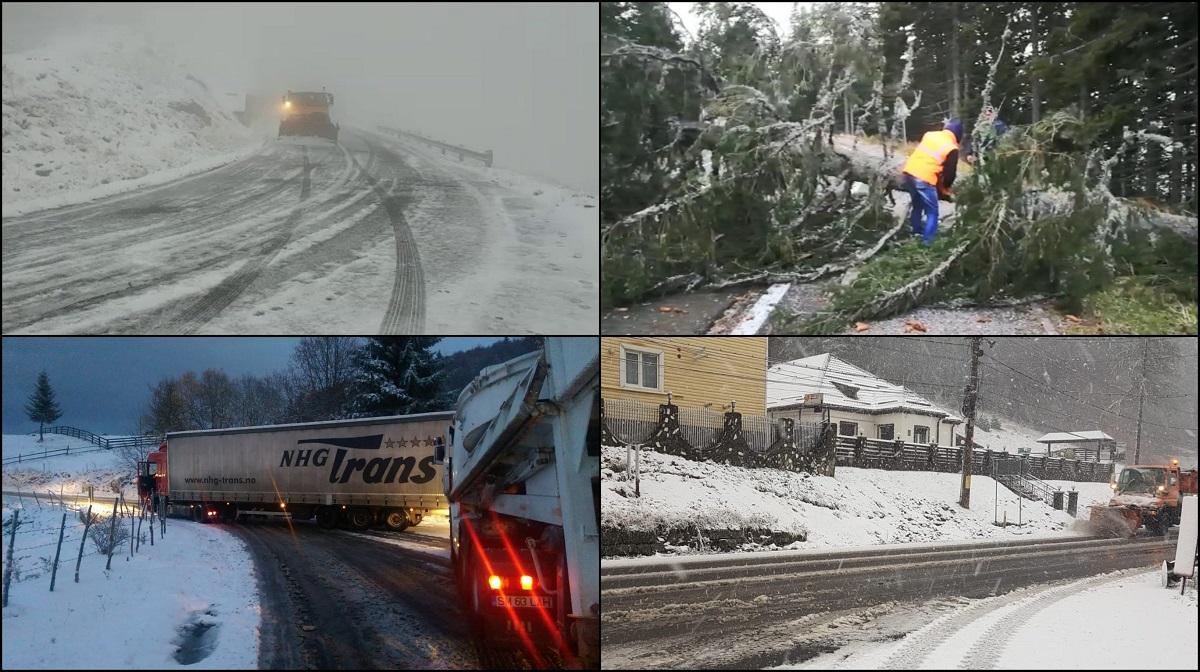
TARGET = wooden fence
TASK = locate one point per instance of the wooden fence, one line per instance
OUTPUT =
(758, 441)
(897, 455)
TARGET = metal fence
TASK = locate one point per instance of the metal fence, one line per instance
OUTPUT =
(630, 421)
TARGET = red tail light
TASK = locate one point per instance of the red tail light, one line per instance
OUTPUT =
(526, 582)
(494, 582)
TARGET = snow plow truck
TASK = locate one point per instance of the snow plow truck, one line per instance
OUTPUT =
(522, 476)
(307, 113)
(1144, 494)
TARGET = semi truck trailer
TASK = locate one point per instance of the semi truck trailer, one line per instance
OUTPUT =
(357, 473)
(522, 479)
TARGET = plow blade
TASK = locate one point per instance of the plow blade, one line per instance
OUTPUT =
(1114, 521)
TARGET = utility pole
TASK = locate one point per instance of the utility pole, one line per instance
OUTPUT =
(1137, 450)
(964, 495)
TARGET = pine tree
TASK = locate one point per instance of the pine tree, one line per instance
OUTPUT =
(42, 408)
(398, 375)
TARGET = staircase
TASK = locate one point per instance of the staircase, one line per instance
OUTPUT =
(1024, 485)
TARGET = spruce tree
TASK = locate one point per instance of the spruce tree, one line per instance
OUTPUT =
(42, 408)
(398, 375)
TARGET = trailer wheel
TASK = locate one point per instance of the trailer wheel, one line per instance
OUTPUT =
(360, 518)
(198, 514)
(395, 520)
(327, 517)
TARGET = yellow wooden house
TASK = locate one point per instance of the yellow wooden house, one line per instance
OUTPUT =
(699, 372)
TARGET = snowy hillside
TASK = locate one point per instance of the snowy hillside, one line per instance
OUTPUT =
(85, 119)
(856, 507)
(1009, 437)
(205, 610)
(70, 472)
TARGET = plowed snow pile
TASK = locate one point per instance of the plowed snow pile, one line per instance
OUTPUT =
(856, 507)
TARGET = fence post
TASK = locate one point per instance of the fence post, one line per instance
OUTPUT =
(87, 525)
(112, 535)
(162, 516)
(130, 532)
(151, 526)
(859, 441)
(8, 568)
(138, 545)
(1072, 502)
(54, 571)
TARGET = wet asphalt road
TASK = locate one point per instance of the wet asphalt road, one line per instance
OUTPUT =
(333, 600)
(305, 236)
(733, 612)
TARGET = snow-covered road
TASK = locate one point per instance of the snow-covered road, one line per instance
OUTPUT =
(371, 235)
(741, 611)
(1086, 624)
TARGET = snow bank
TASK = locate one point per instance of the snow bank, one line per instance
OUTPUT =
(134, 615)
(857, 507)
(70, 473)
(89, 118)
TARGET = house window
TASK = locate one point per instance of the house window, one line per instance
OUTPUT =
(848, 428)
(887, 432)
(920, 434)
(642, 369)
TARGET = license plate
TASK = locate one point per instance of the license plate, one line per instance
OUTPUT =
(522, 601)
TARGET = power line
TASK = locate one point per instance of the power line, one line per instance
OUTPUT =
(1057, 391)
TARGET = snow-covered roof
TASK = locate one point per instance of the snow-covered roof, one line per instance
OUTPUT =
(843, 386)
(1075, 437)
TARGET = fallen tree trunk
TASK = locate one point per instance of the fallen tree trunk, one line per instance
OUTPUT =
(865, 161)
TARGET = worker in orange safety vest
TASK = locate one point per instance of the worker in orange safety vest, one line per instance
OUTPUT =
(930, 172)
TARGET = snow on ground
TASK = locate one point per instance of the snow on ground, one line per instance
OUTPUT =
(855, 507)
(1118, 621)
(536, 257)
(70, 473)
(134, 615)
(1010, 437)
(89, 118)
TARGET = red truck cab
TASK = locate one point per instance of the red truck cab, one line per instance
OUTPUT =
(152, 475)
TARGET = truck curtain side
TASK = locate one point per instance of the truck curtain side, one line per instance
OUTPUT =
(522, 480)
(370, 471)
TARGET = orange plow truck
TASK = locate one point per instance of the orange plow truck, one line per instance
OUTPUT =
(1144, 494)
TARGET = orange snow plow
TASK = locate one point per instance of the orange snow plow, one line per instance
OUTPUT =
(1145, 494)
(307, 113)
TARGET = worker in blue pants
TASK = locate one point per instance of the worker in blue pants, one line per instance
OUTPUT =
(930, 172)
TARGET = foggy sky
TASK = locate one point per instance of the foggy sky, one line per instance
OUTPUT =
(519, 79)
(102, 384)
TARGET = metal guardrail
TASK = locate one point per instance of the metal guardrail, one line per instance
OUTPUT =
(485, 157)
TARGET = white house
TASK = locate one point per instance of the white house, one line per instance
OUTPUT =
(858, 402)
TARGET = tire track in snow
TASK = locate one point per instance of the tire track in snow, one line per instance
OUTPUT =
(406, 308)
(207, 307)
(986, 651)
